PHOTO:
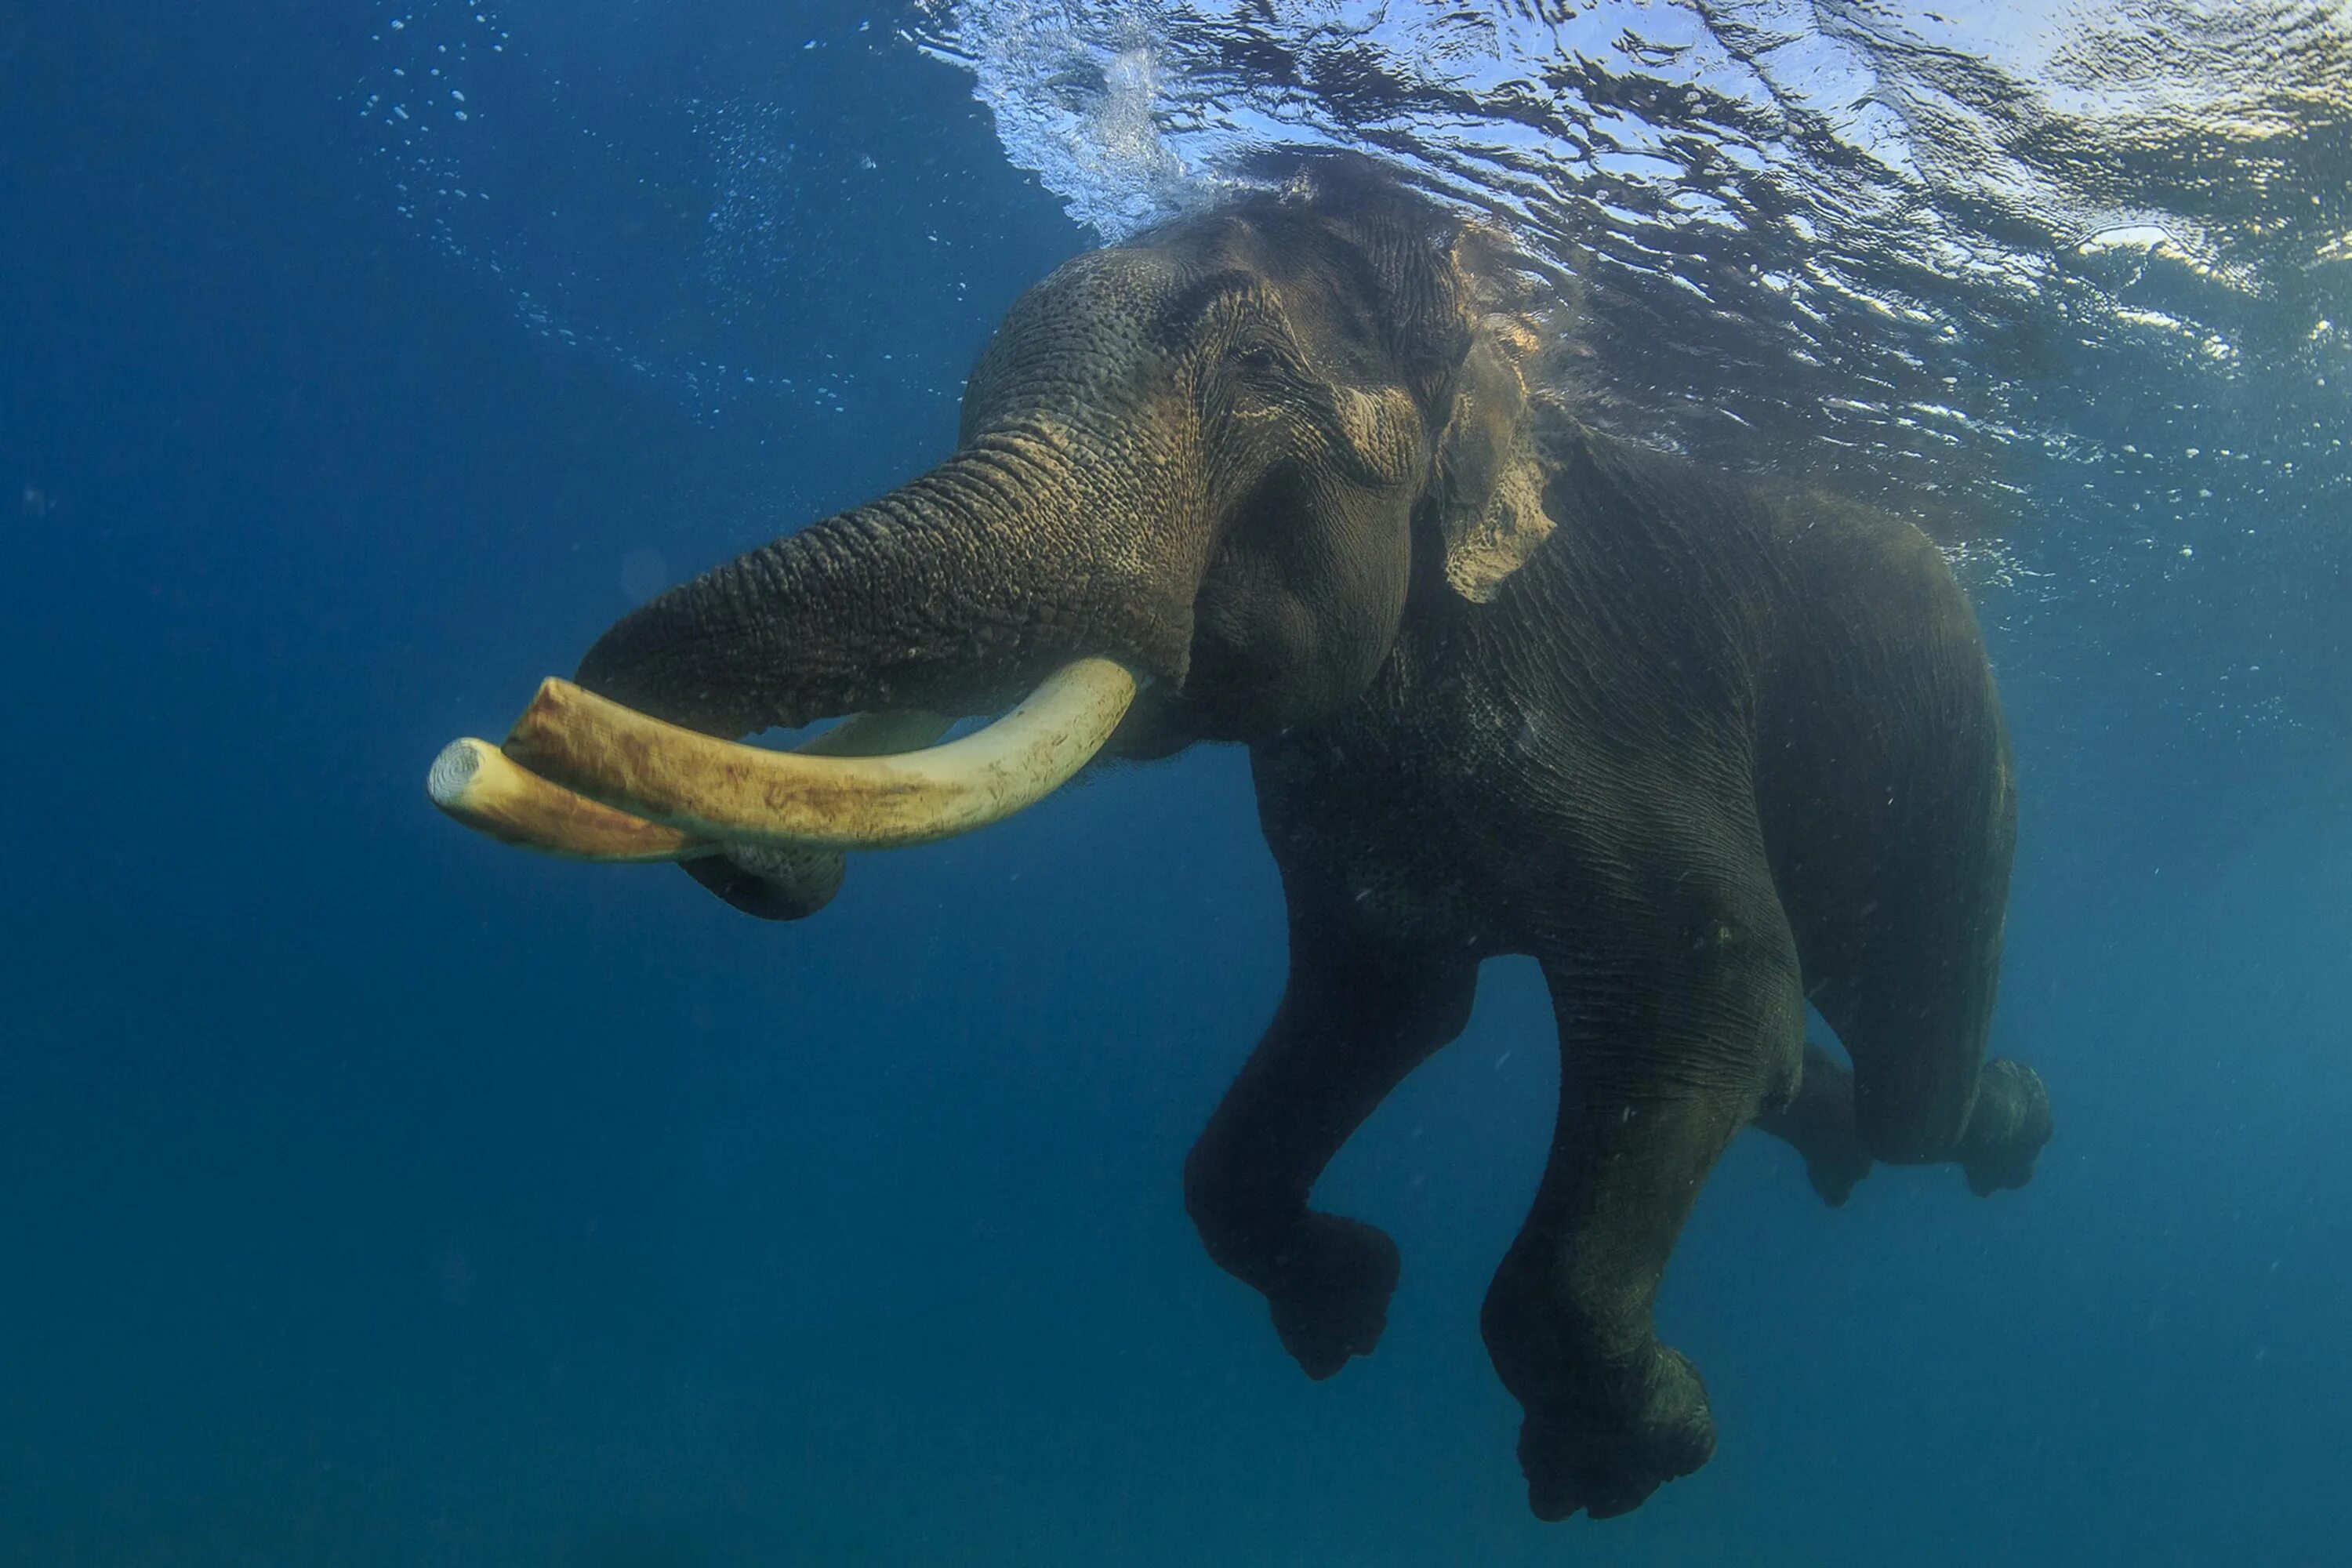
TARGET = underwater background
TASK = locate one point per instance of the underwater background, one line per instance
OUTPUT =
(372, 1194)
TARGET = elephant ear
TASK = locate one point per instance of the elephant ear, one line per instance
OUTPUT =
(1489, 479)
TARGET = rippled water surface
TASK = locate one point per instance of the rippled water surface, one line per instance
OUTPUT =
(1880, 224)
(2073, 284)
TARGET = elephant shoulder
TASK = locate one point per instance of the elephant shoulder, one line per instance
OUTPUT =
(1592, 469)
(1614, 478)
(1653, 527)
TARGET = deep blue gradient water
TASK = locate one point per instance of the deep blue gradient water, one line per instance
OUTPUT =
(372, 1194)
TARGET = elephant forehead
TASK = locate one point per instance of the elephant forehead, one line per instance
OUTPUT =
(1094, 324)
(1104, 292)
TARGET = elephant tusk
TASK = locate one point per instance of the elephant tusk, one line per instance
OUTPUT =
(712, 789)
(475, 782)
(481, 786)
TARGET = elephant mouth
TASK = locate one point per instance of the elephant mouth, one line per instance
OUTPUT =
(585, 777)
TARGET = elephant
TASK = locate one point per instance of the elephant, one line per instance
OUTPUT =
(1308, 471)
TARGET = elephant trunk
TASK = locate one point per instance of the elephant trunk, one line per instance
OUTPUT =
(985, 578)
(954, 593)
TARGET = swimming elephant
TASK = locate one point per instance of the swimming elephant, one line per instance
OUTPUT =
(1298, 474)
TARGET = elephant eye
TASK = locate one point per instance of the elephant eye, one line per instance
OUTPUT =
(1263, 360)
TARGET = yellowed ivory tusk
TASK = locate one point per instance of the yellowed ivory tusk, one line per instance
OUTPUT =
(714, 789)
(481, 786)
(474, 782)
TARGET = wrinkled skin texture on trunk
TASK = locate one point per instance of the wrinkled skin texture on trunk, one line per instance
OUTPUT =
(1509, 686)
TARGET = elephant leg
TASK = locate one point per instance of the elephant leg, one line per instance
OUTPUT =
(1899, 920)
(1681, 1018)
(1356, 1017)
(1916, 1029)
(2008, 1124)
(1818, 1122)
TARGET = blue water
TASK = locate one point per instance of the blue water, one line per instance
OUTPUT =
(370, 1194)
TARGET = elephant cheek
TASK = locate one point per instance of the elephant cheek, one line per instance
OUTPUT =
(1261, 665)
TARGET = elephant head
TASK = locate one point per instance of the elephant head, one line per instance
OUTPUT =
(1223, 458)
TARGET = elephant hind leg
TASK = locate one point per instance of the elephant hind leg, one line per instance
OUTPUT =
(1913, 1010)
(2008, 1124)
(1900, 932)
(1891, 821)
(1818, 1122)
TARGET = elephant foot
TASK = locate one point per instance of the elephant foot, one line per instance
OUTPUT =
(1605, 1454)
(1833, 1175)
(1332, 1299)
(2008, 1127)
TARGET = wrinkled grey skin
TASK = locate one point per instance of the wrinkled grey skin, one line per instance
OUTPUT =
(1509, 686)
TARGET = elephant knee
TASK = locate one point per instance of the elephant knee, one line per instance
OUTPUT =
(1231, 1201)
(1213, 1197)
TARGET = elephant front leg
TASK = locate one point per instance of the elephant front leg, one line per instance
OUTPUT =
(1670, 1045)
(1356, 1017)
